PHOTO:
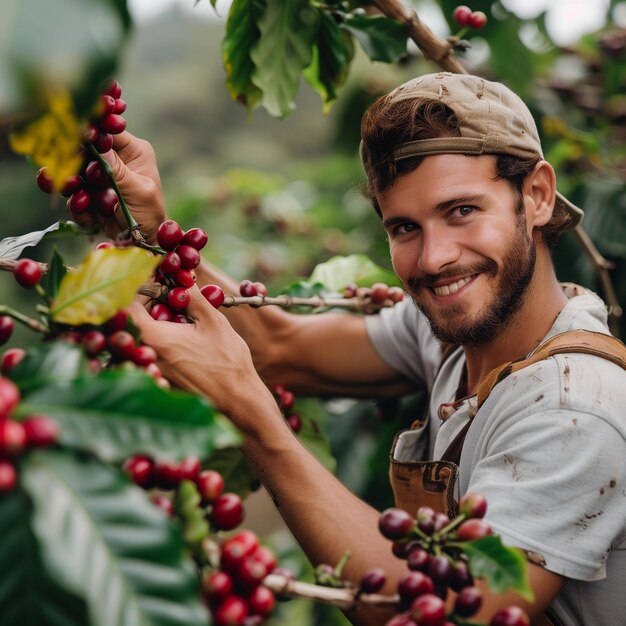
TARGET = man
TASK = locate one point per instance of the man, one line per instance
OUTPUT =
(455, 170)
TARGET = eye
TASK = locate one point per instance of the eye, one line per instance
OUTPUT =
(463, 211)
(403, 229)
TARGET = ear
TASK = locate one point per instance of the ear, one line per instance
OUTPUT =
(539, 192)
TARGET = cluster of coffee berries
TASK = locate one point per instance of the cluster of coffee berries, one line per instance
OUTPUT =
(27, 273)
(378, 293)
(431, 544)
(90, 189)
(286, 400)
(224, 511)
(16, 437)
(112, 344)
(176, 270)
(464, 16)
(234, 591)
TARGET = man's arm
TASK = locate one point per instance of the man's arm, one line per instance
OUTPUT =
(326, 354)
(208, 357)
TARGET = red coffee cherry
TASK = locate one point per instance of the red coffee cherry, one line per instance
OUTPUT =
(231, 612)
(169, 234)
(196, 238)
(9, 396)
(40, 431)
(113, 89)
(113, 124)
(104, 142)
(171, 263)
(185, 278)
(121, 345)
(477, 19)
(414, 584)
(261, 601)
(72, 185)
(189, 257)
(104, 201)
(120, 106)
(227, 512)
(12, 437)
(510, 616)
(189, 468)
(217, 586)
(161, 312)
(96, 176)
(395, 523)
(468, 601)
(401, 619)
(8, 476)
(94, 342)
(7, 326)
(44, 182)
(144, 356)
(210, 485)
(10, 358)
(295, 422)
(250, 574)
(79, 202)
(379, 293)
(428, 610)
(461, 15)
(27, 273)
(213, 294)
(373, 580)
(178, 298)
(472, 529)
(140, 469)
(265, 556)
(473, 505)
(166, 474)
(418, 560)
(118, 322)
(247, 289)
(106, 105)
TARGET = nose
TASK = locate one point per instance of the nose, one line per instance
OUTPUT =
(438, 249)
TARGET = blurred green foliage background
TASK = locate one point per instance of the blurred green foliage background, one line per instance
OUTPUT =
(276, 197)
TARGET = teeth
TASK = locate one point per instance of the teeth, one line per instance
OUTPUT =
(446, 290)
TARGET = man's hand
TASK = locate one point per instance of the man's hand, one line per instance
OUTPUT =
(206, 357)
(133, 164)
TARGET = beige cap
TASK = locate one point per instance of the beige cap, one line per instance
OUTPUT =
(492, 120)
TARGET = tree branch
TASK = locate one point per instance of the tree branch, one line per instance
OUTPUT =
(343, 598)
(432, 46)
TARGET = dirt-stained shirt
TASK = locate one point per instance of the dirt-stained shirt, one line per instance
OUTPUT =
(547, 449)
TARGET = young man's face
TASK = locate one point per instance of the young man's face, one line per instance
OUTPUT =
(459, 243)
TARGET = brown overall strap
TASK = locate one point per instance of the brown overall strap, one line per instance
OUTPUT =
(585, 341)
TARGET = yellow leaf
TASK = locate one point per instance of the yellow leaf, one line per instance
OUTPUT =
(53, 140)
(105, 282)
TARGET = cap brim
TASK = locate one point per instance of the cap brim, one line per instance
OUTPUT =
(575, 212)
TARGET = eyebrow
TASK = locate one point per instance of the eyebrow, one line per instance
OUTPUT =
(441, 207)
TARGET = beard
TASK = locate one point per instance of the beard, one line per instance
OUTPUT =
(449, 325)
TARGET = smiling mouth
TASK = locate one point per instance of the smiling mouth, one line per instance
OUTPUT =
(446, 290)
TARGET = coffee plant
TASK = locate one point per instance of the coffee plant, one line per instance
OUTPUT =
(115, 500)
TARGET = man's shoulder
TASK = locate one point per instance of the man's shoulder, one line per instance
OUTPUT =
(569, 382)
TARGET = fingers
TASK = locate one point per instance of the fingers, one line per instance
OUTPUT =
(199, 307)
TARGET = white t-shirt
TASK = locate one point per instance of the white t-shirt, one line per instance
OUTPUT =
(547, 449)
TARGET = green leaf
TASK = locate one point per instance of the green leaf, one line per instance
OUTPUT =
(119, 413)
(104, 283)
(101, 537)
(56, 363)
(232, 465)
(28, 595)
(338, 271)
(283, 51)
(332, 53)
(38, 39)
(242, 33)
(382, 38)
(56, 272)
(501, 566)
